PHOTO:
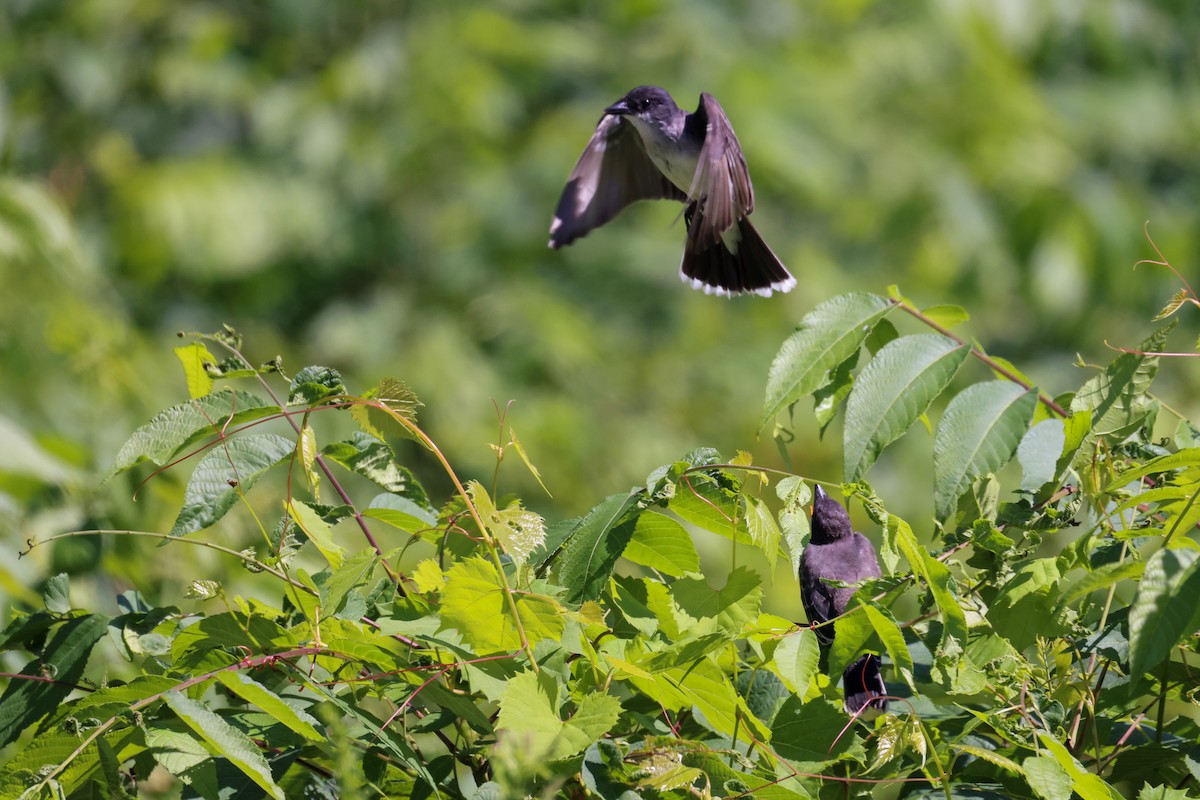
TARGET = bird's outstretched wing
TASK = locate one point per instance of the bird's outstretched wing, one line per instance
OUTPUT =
(722, 182)
(613, 172)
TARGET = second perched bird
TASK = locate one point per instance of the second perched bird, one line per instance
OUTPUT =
(837, 552)
(647, 148)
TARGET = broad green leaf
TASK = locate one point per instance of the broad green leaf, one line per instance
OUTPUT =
(1085, 784)
(810, 733)
(196, 359)
(390, 400)
(977, 435)
(705, 502)
(287, 714)
(318, 531)
(1149, 792)
(1172, 461)
(1103, 577)
(474, 602)
(684, 653)
(829, 398)
(374, 460)
(593, 547)
(1114, 396)
(797, 658)
(826, 337)
(735, 605)
(529, 711)
(1165, 610)
(661, 543)
(56, 593)
(176, 427)
(429, 577)
(355, 572)
(1047, 777)
(892, 391)
(24, 702)
(313, 384)
(227, 471)
(225, 739)
(1038, 453)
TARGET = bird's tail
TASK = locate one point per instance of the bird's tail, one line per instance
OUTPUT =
(863, 686)
(713, 268)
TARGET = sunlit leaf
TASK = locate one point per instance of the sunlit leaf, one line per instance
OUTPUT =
(225, 473)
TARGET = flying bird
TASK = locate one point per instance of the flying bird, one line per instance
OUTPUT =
(837, 552)
(647, 148)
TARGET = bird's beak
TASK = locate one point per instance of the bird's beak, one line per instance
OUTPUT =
(818, 492)
(617, 109)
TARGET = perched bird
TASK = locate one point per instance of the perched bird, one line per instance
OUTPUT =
(647, 148)
(838, 552)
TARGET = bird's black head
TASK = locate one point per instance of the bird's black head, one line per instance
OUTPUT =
(646, 102)
(830, 521)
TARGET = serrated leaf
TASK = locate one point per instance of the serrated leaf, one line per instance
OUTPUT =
(390, 400)
(704, 501)
(809, 733)
(1165, 610)
(797, 658)
(529, 711)
(1085, 784)
(735, 605)
(793, 518)
(1038, 453)
(826, 337)
(661, 543)
(226, 740)
(56, 593)
(287, 714)
(1117, 396)
(764, 531)
(1047, 778)
(977, 435)
(313, 384)
(176, 427)
(892, 391)
(225, 472)
(401, 513)
(196, 359)
(355, 572)
(429, 577)
(24, 702)
(893, 641)
(593, 547)
(1178, 299)
(318, 531)
(374, 460)
(829, 398)
(474, 602)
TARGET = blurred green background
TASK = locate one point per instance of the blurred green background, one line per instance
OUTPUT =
(368, 186)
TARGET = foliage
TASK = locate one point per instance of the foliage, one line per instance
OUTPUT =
(1039, 646)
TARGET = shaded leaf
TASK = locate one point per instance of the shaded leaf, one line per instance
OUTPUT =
(225, 472)
(1166, 608)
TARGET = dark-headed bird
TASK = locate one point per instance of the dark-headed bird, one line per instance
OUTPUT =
(647, 148)
(837, 552)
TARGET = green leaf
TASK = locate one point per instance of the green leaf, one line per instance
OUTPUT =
(196, 359)
(224, 474)
(24, 702)
(474, 602)
(529, 711)
(593, 547)
(892, 391)
(318, 531)
(1047, 778)
(1165, 610)
(734, 606)
(797, 658)
(893, 640)
(793, 518)
(661, 543)
(1172, 461)
(829, 397)
(1085, 784)
(225, 739)
(288, 714)
(378, 417)
(1038, 453)
(171, 430)
(56, 594)
(354, 573)
(313, 384)
(1117, 396)
(977, 435)
(826, 337)
(764, 531)
(712, 505)
(810, 733)
(947, 316)
(400, 512)
(373, 459)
